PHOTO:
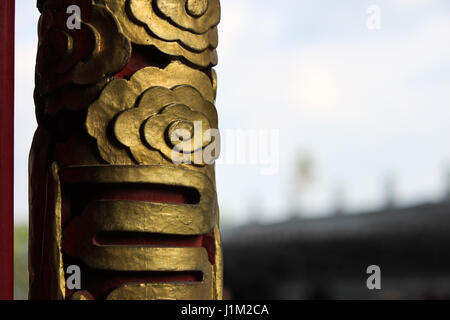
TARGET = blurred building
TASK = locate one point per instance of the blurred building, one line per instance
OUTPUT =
(327, 258)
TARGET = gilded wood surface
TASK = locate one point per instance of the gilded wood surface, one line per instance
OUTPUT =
(111, 100)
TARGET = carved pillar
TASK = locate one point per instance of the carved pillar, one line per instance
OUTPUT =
(122, 180)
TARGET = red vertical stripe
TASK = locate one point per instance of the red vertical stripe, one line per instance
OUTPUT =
(6, 147)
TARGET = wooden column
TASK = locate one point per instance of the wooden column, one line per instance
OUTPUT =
(6, 148)
(122, 180)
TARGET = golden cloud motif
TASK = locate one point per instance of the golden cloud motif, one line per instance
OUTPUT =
(80, 56)
(175, 122)
(181, 28)
(197, 16)
(138, 121)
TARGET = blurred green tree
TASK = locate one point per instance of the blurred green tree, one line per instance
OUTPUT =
(21, 262)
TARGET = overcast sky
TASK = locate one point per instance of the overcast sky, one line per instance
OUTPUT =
(363, 103)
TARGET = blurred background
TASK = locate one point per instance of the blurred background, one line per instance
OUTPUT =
(334, 118)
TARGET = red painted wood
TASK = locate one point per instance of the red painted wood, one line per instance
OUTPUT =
(6, 148)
